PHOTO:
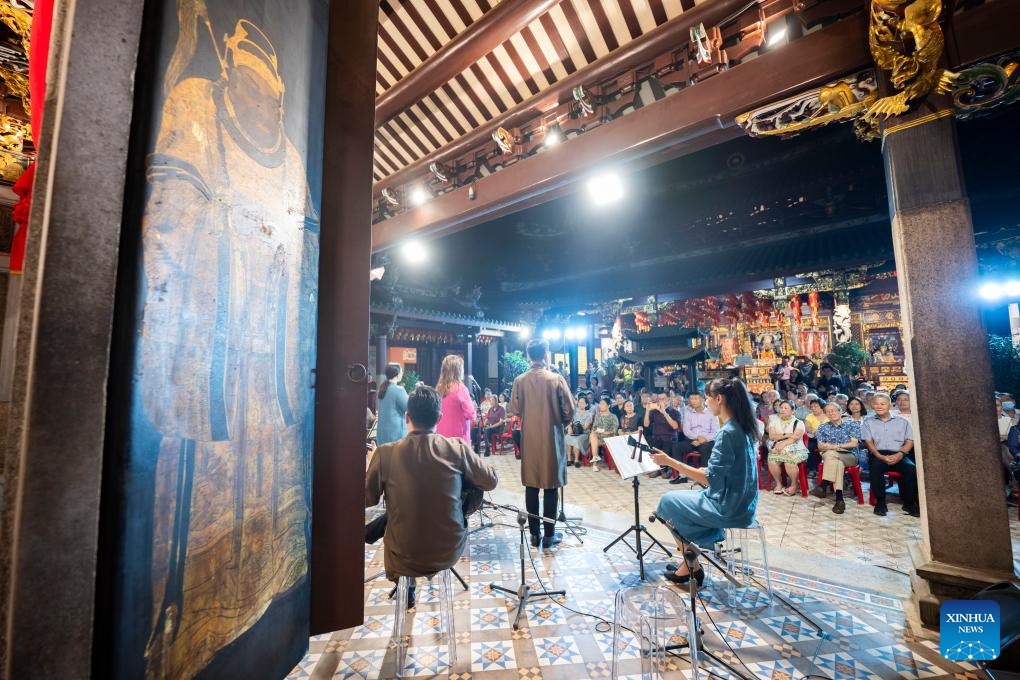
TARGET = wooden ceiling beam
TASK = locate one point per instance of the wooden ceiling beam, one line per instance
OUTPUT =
(494, 28)
(638, 52)
(672, 126)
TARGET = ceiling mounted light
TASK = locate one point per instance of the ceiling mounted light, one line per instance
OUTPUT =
(419, 196)
(414, 252)
(991, 291)
(605, 189)
(524, 333)
(553, 135)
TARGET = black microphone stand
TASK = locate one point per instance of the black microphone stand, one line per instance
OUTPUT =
(572, 525)
(524, 591)
(638, 528)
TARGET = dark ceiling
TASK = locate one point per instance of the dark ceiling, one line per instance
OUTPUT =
(723, 220)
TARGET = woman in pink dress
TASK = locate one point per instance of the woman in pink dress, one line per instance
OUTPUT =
(458, 409)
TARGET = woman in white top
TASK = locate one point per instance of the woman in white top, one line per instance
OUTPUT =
(786, 447)
(577, 444)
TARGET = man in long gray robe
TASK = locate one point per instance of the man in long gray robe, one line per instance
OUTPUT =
(542, 399)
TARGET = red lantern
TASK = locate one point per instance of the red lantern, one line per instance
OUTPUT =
(795, 305)
(813, 303)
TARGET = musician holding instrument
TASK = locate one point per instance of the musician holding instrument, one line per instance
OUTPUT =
(430, 483)
(731, 478)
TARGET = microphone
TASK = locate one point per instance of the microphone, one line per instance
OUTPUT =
(691, 552)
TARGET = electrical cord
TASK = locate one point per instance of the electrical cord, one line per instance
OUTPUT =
(605, 625)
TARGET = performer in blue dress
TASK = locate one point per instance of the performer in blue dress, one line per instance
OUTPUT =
(731, 477)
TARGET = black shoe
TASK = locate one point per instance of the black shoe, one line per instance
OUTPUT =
(486, 454)
(411, 600)
(577, 463)
(699, 576)
(550, 541)
(839, 507)
(912, 510)
(880, 510)
(657, 473)
(679, 480)
(817, 492)
(536, 539)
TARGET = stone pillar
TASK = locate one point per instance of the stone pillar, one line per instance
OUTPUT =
(966, 542)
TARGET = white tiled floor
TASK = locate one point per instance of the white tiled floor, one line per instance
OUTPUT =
(847, 572)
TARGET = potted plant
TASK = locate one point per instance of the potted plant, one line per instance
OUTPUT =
(848, 357)
(514, 363)
(409, 381)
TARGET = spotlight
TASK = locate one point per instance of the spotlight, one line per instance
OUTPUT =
(524, 333)
(777, 36)
(419, 196)
(547, 334)
(1012, 288)
(581, 332)
(553, 135)
(414, 252)
(605, 189)
(554, 334)
(569, 334)
(991, 291)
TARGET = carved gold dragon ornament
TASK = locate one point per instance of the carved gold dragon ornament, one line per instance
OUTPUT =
(905, 39)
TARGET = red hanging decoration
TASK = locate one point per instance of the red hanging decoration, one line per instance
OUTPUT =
(813, 303)
(795, 306)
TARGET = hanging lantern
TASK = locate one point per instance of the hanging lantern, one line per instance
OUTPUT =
(795, 306)
(813, 303)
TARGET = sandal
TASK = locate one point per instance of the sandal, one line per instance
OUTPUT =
(787, 492)
(778, 490)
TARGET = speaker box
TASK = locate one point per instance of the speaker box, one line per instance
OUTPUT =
(1007, 595)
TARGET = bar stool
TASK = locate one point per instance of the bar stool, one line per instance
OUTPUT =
(445, 617)
(654, 613)
(738, 558)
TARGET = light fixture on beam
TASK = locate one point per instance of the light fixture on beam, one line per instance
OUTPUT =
(419, 196)
(553, 135)
(605, 189)
(414, 251)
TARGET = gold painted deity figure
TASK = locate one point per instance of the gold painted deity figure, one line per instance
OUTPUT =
(226, 248)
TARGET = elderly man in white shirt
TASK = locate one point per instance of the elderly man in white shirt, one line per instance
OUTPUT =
(890, 440)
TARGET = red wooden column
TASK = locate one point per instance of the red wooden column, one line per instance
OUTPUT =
(338, 473)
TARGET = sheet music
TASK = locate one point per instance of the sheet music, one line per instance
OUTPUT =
(621, 451)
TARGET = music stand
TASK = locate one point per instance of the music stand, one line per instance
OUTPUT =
(633, 467)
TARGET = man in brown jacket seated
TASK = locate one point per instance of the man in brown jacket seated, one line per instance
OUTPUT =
(424, 478)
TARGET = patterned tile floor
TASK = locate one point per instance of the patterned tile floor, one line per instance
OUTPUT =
(862, 629)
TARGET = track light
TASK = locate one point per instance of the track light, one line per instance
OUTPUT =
(605, 189)
(553, 135)
(414, 251)
(419, 196)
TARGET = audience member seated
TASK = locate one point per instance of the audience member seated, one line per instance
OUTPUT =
(699, 428)
(617, 408)
(495, 423)
(889, 440)
(767, 407)
(424, 478)
(604, 424)
(786, 448)
(903, 404)
(629, 422)
(578, 431)
(856, 412)
(811, 422)
(837, 441)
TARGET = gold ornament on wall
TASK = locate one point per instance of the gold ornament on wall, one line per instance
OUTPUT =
(905, 39)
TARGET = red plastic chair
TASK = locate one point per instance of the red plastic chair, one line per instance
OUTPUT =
(892, 476)
(508, 434)
(802, 474)
(855, 475)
